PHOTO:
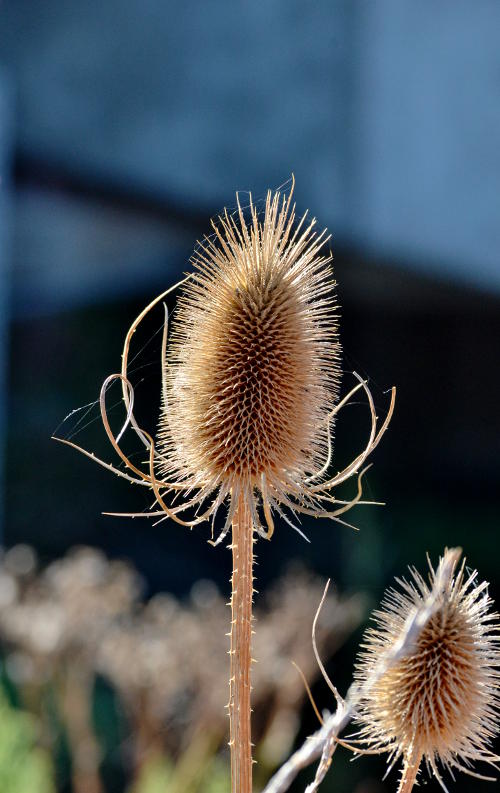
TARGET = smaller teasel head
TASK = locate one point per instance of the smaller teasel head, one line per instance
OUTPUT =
(439, 703)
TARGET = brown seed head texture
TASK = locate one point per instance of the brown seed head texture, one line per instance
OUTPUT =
(253, 361)
(440, 702)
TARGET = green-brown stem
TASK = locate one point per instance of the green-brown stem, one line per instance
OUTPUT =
(76, 694)
(241, 634)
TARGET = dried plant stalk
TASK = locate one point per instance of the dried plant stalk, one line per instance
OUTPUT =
(410, 773)
(250, 386)
(241, 658)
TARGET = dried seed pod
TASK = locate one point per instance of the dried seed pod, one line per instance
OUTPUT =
(440, 702)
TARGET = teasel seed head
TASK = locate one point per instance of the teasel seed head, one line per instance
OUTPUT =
(253, 366)
(439, 702)
(250, 379)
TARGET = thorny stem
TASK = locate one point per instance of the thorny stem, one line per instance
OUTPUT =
(241, 634)
(410, 771)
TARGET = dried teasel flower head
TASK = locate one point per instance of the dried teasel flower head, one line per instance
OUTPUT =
(440, 701)
(250, 377)
(253, 365)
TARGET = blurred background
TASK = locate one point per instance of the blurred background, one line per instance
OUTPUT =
(124, 128)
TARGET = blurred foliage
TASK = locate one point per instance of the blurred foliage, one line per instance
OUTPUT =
(24, 766)
(155, 777)
(129, 691)
(160, 775)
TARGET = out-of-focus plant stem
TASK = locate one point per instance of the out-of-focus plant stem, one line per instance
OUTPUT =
(240, 653)
(76, 693)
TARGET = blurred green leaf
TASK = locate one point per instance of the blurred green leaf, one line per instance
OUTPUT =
(24, 767)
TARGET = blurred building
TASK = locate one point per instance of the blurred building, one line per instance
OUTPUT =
(384, 111)
(5, 262)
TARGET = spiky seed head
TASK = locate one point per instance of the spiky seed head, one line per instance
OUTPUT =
(440, 702)
(250, 380)
(253, 360)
